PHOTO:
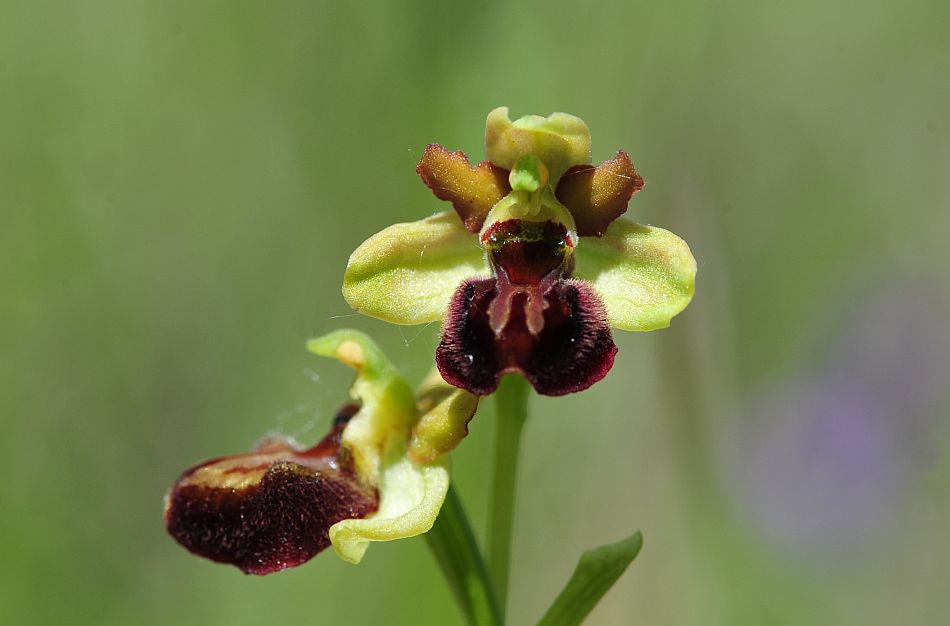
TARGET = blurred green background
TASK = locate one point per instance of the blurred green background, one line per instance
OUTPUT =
(182, 182)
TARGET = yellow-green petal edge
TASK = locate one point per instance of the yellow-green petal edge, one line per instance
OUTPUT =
(410, 498)
(407, 273)
(645, 275)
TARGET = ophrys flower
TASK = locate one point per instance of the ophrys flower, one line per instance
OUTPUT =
(380, 474)
(533, 267)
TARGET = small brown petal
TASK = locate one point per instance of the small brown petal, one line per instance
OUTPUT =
(472, 189)
(598, 196)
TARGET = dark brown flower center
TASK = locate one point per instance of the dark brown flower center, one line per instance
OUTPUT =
(529, 251)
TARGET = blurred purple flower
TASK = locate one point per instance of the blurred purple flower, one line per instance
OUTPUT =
(824, 459)
(898, 344)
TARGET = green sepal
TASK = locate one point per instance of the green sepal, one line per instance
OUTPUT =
(410, 498)
(645, 275)
(560, 140)
(442, 428)
(387, 405)
(407, 273)
(377, 436)
(596, 572)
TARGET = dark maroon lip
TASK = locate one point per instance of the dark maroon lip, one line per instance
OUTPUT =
(282, 521)
(571, 350)
(530, 317)
(277, 519)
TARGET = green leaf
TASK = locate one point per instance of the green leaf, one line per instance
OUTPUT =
(596, 572)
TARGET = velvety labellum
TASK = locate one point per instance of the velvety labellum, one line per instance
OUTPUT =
(529, 318)
(571, 350)
(269, 509)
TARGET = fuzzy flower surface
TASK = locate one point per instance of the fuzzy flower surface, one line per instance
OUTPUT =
(532, 267)
(380, 474)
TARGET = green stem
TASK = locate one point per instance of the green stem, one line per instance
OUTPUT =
(511, 411)
(453, 544)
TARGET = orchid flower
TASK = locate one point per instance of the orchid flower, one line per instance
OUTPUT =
(534, 265)
(380, 474)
